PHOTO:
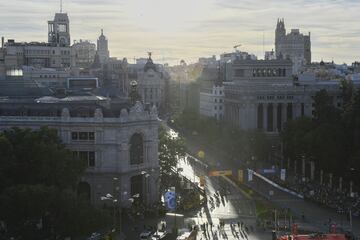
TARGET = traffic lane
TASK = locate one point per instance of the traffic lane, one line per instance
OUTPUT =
(227, 200)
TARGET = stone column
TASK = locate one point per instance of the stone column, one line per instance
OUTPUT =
(124, 156)
(295, 109)
(146, 151)
(321, 177)
(241, 119)
(283, 114)
(255, 115)
(275, 117)
(265, 113)
(312, 170)
(303, 168)
(340, 183)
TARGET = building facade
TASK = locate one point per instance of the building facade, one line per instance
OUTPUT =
(263, 95)
(41, 55)
(294, 46)
(56, 53)
(153, 85)
(84, 52)
(212, 102)
(46, 77)
(119, 145)
(59, 30)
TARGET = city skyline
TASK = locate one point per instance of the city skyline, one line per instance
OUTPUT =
(175, 31)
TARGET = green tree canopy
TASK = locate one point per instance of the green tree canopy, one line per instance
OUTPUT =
(38, 187)
(171, 148)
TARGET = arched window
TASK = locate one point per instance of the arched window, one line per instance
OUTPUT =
(136, 149)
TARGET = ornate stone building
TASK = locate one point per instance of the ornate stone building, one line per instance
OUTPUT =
(119, 143)
(56, 53)
(294, 46)
(84, 52)
(262, 94)
(153, 85)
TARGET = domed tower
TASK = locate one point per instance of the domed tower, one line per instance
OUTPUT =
(280, 33)
(102, 48)
(150, 64)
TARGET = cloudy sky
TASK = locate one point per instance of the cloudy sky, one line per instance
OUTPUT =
(189, 29)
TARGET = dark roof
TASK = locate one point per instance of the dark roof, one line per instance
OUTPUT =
(150, 65)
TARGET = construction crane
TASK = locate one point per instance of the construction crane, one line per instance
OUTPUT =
(236, 46)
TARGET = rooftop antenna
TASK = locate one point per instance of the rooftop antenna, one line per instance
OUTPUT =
(61, 6)
(263, 43)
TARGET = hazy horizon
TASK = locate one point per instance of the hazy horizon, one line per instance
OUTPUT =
(187, 29)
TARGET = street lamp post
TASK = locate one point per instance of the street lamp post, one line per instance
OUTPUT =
(115, 200)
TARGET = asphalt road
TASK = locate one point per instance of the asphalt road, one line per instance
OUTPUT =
(226, 204)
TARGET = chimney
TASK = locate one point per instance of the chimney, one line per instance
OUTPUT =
(2, 42)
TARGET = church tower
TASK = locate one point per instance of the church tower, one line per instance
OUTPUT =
(280, 33)
(102, 48)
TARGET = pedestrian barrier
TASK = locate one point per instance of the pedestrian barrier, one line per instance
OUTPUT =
(276, 185)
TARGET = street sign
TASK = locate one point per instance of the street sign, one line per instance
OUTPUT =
(269, 171)
(170, 200)
(250, 175)
(220, 173)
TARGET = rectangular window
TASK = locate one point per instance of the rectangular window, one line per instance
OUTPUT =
(83, 155)
(83, 136)
(239, 72)
(91, 136)
(74, 136)
(91, 159)
(87, 156)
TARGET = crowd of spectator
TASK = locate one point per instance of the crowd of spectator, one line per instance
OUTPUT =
(331, 196)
